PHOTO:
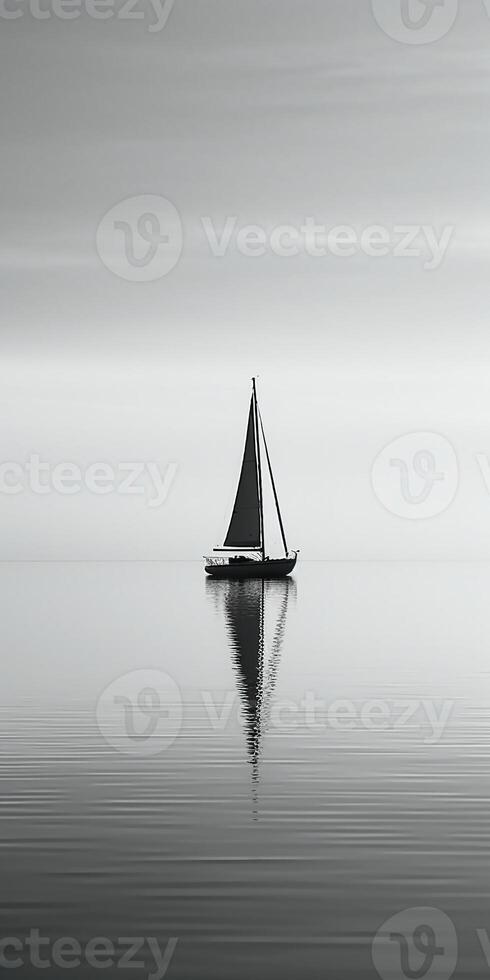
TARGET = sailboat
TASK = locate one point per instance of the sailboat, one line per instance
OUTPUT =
(246, 530)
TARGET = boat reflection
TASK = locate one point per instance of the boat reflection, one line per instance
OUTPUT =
(255, 613)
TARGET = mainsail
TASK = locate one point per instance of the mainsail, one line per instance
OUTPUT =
(244, 529)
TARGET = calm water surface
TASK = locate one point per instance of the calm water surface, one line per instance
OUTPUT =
(327, 768)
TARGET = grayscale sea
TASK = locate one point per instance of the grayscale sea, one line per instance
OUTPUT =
(260, 774)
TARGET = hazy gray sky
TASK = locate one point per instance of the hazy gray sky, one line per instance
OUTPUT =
(270, 112)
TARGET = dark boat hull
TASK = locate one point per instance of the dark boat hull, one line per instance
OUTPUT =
(274, 568)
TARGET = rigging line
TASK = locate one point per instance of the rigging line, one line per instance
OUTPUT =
(281, 525)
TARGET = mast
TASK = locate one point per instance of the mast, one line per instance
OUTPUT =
(259, 469)
(281, 525)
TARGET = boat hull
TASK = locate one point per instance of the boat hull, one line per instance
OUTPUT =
(274, 568)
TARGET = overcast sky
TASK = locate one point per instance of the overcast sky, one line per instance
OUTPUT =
(268, 113)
